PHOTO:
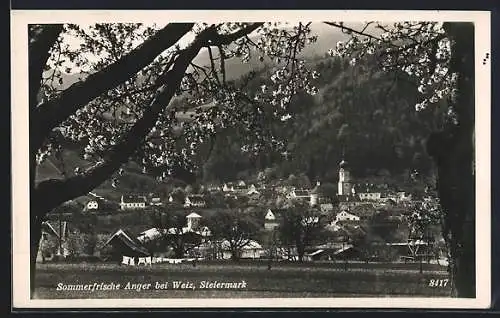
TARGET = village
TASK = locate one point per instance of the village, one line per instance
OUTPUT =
(339, 225)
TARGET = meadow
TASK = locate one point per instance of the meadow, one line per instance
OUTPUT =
(256, 280)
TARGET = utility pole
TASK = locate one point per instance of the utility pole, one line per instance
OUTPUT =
(59, 252)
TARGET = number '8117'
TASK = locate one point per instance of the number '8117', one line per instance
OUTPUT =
(438, 282)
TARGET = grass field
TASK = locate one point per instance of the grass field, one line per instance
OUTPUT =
(283, 280)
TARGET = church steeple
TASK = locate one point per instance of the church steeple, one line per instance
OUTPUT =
(344, 185)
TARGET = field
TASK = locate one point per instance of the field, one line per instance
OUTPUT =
(256, 280)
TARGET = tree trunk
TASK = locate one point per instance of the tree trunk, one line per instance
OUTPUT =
(35, 236)
(300, 252)
(453, 152)
(235, 254)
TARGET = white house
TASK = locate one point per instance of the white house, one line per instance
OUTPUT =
(242, 183)
(132, 202)
(193, 220)
(252, 190)
(372, 196)
(311, 196)
(228, 187)
(270, 221)
(151, 234)
(251, 250)
(310, 220)
(326, 207)
(155, 201)
(92, 205)
(194, 201)
(346, 216)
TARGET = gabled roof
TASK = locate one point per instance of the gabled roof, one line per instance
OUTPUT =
(127, 239)
(270, 215)
(193, 215)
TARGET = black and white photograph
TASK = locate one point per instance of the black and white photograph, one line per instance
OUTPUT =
(251, 159)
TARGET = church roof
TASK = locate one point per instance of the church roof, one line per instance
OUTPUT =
(343, 164)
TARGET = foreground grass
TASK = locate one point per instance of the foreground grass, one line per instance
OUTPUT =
(283, 280)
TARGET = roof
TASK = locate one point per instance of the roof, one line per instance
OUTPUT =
(370, 187)
(128, 241)
(133, 198)
(347, 214)
(347, 198)
(250, 245)
(301, 193)
(343, 164)
(193, 215)
(151, 234)
(270, 215)
(363, 210)
(196, 199)
(48, 228)
(316, 252)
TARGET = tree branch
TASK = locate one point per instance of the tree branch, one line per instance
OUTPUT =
(41, 39)
(52, 193)
(227, 39)
(344, 28)
(49, 114)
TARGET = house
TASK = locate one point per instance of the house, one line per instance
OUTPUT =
(301, 195)
(213, 188)
(364, 210)
(155, 201)
(270, 222)
(132, 202)
(346, 216)
(241, 183)
(251, 250)
(252, 190)
(228, 187)
(151, 235)
(333, 226)
(310, 220)
(92, 205)
(326, 207)
(369, 191)
(197, 201)
(193, 221)
(123, 244)
(314, 194)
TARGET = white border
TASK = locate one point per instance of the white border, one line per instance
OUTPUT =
(20, 129)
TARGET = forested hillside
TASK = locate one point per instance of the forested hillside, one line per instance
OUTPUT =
(367, 116)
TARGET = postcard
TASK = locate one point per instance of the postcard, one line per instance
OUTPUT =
(251, 159)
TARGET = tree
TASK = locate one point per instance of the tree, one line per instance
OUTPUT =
(235, 227)
(178, 195)
(439, 59)
(300, 226)
(121, 107)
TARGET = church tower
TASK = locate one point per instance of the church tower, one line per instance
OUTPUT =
(344, 186)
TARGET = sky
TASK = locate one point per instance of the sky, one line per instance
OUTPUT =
(322, 30)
